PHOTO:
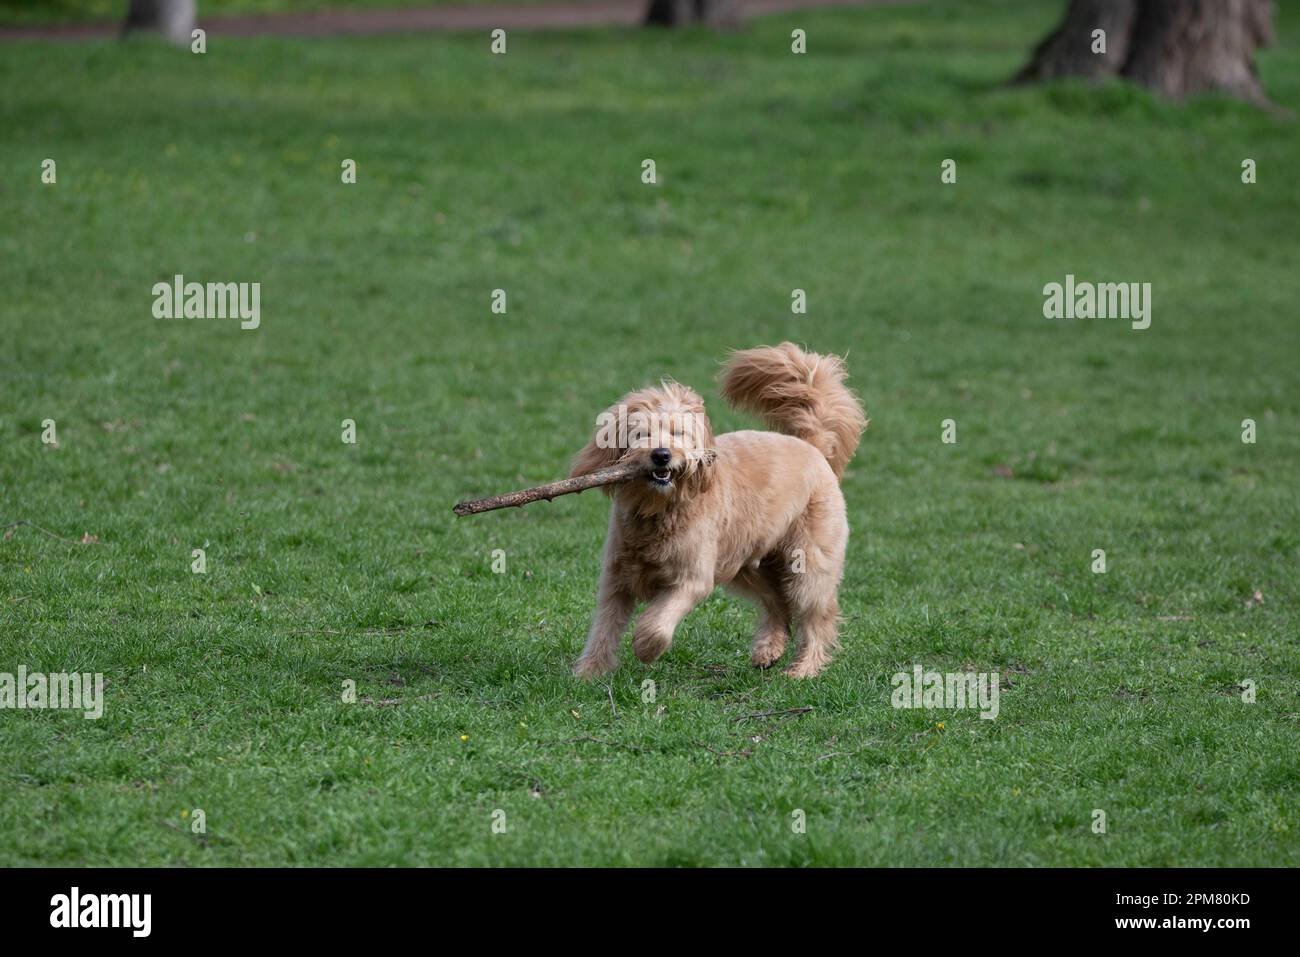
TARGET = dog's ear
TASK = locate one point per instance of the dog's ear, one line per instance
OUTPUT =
(601, 452)
(593, 458)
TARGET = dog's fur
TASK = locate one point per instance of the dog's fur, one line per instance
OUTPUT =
(758, 512)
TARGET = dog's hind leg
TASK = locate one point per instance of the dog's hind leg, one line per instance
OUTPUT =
(763, 586)
(819, 542)
(818, 638)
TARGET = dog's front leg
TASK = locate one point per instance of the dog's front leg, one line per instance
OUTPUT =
(613, 610)
(664, 612)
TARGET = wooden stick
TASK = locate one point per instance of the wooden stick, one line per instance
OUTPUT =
(615, 473)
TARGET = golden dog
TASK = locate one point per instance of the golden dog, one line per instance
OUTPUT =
(760, 513)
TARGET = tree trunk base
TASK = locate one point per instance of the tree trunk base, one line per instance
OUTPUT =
(1185, 48)
(719, 14)
(1068, 50)
(1176, 48)
(174, 19)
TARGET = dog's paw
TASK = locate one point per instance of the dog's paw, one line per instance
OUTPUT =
(766, 655)
(649, 646)
(805, 669)
(591, 668)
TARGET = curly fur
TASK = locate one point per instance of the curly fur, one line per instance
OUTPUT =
(760, 513)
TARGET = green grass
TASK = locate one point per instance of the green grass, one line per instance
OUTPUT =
(329, 562)
(42, 12)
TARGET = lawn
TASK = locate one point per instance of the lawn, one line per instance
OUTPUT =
(42, 12)
(330, 562)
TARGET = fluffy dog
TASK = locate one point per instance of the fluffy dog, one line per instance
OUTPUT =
(760, 513)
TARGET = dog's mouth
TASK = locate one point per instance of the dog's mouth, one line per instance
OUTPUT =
(661, 478)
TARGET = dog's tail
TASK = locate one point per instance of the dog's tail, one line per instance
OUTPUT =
(799, 393)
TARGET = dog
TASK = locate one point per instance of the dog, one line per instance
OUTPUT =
(760, 513)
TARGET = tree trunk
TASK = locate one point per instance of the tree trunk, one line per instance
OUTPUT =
(1067, 51)
(174, 19)
(678, 13)
(1181, 47)
(1174, 47)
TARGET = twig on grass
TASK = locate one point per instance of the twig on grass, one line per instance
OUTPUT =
(372, 632)
(788, 712)
(747, 753)
(720, 671)
(393, 702)
(86, 539)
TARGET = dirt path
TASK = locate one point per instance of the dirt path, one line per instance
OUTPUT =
(410, 19)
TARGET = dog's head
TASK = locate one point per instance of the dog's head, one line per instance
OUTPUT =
(664, 429)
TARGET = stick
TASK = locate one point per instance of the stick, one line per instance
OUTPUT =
(775, 714)
(84, 540)
(615, 473)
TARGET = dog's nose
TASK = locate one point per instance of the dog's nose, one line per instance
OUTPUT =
(661, 457)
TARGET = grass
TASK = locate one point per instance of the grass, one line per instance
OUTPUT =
(329, 562)
(42, 12)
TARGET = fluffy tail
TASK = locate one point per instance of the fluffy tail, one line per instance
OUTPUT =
(798, 393)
